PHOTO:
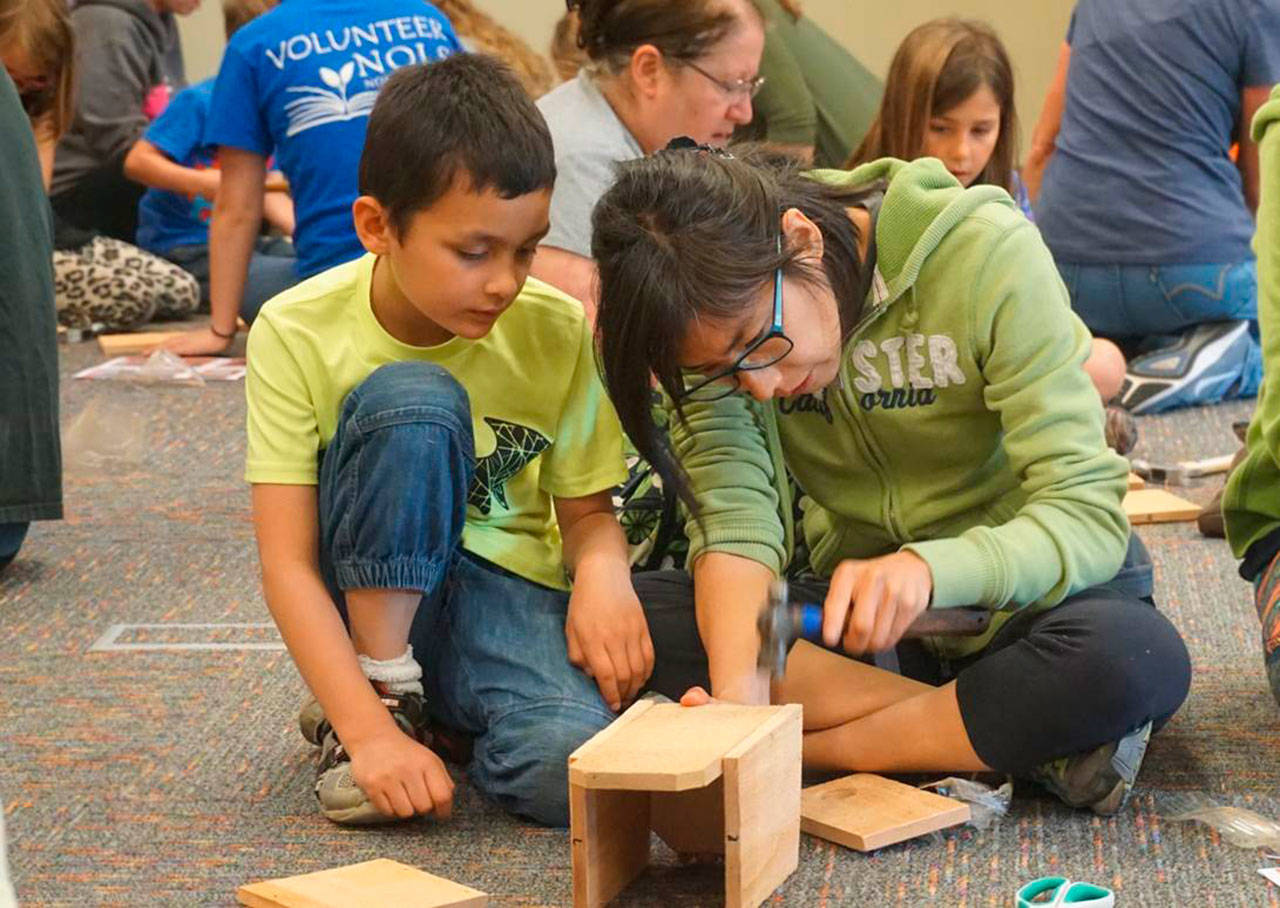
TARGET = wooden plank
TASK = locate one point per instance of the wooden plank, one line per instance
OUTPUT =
(690, 822)
(609, 832)
(373, 884)
(668, 747)
(1136, 482)
(633, 712)
(1158, 506)
(762, 809)
(866, 811)
(137, 342)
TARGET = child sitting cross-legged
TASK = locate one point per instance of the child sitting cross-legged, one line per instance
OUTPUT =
(431, 453)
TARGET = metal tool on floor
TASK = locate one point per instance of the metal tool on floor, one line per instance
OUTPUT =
(1181, 473)
(782, 622)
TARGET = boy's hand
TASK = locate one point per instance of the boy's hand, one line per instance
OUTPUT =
(401, 777)
(607, 635)
(870, 604)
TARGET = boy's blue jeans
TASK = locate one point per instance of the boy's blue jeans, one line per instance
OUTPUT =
(392, 503)
(1131, 302)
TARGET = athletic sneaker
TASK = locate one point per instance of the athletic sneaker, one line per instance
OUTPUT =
(341, 799)
(1201, 367)
(310, 718)
(1267, 598)
(1101, 779)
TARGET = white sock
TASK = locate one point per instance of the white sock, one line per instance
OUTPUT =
(401, 675)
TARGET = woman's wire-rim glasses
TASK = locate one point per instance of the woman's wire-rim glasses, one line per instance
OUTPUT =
(748, 88)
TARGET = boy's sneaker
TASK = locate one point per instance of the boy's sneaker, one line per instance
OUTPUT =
(341, 799)
(1101, 779)
(1266, 597)
(1202, 366)
(311, 722)
(451, 746)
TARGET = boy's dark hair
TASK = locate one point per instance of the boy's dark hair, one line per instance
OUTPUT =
(465, 115)
(685, 235)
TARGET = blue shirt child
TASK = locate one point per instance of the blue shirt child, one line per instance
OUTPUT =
(167, 219)
(301, 81)
(1141, 173)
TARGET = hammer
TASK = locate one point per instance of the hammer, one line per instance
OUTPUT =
(1180, 474)
(783, 622)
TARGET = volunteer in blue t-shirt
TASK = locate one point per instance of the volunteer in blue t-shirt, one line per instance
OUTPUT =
(1144, 208)
(173, 216)
(301, 80)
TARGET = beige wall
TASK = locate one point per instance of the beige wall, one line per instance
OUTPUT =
(1032, 29)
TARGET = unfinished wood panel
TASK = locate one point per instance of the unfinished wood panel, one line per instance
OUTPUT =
(762, 809)
(668, 747)
(373, 884)
(866, 811)
(1158, 506)
(609, 831)
(136, 342)
(690, 822)
(1136, 482)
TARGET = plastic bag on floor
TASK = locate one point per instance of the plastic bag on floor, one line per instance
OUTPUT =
(986, 804)
(108, 434)
(1237, 825)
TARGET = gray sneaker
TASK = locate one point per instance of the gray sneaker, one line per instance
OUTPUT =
(311, 722)
(341, 799)
(1101, 779)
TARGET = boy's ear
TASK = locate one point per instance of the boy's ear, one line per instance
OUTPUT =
(373, 225)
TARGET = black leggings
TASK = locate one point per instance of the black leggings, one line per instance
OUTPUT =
(1058, 682)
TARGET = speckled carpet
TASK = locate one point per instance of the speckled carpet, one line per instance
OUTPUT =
(169, 777)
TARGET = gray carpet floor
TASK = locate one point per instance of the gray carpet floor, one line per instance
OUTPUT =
(170, 777)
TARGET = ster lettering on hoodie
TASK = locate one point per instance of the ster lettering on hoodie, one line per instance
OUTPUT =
(918, 365)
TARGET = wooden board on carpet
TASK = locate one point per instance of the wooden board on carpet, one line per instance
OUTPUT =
(373, 884)
(1158, 506)
(865, 811)
(1136, 482)
(135, 342)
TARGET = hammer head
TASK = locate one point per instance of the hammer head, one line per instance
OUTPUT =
(776, 625)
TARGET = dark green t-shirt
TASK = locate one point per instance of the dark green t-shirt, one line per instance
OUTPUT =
(815, 92)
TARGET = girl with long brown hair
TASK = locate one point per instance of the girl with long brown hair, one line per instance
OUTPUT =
(950, 96)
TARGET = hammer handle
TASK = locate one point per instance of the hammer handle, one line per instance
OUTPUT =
(943, 622)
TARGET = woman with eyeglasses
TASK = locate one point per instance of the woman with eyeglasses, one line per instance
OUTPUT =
(903, 348)
(656, 70)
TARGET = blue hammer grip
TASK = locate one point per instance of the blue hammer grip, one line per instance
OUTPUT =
(811, 622)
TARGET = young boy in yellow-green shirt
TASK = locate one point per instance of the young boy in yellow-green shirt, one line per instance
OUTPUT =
(432, 455)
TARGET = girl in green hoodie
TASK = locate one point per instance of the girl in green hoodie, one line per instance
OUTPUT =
(903, 349)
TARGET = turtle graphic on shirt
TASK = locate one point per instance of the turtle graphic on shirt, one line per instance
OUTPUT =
(517, 446)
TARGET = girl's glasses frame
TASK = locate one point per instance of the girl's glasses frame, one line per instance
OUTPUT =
(720, 385)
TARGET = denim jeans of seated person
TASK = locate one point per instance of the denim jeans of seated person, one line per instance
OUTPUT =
(392, 499)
